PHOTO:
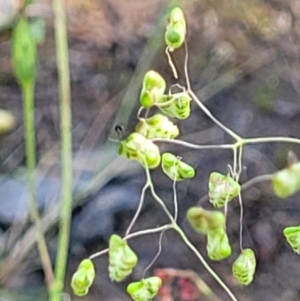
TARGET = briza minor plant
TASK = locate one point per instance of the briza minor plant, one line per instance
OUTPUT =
(142, 146)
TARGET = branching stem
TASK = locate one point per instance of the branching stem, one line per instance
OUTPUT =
(186, 240)
(213, 118)
(137, 213)
(132, 235)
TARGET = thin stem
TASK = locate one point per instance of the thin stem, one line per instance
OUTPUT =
(186, 72)
(62, 60)
(148, 231)
(226, 209)
(156, 197)
(256, 180)
(30, 145)
(270, 139)
(175, 200)
(235, 150)
(186, 240)
(139, 113)
(132, 235)
(157, 254)
(214, 119)
(205, 264)
(98, 254)
(170, 61)
(178, 86)
(194, 146)
(241, 221)
(137, 213)
(240, 163)
(166, 103)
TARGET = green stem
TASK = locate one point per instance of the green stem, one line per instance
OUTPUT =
(194, 146)
(213, 118)
(30, 145)
(205, 264)
(270, 139)
(137, 213)
(66, 146)
(132, 235)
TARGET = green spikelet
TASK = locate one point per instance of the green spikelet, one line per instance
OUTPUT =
(83, 277)
(176, 29)
(205, 221)
(174, 168)
(122, 259)
(157, 126)
(292, 236)
(153, 88)
(176, 105)
(286, 182)
(222, 189)
(138, 147)
(144, 290)
(244, 266)
(218, 247)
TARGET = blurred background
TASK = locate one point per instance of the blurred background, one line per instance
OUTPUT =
(243, 64)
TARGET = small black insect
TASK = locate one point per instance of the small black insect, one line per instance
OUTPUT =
(121, 130)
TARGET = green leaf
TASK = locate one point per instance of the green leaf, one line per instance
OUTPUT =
(122, 259)
(144, 290)
(244, 266)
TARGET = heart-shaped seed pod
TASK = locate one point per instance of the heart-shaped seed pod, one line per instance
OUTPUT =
(222, 189)
(244, 266)
(176, 29)
(122, 259)
(144, 290)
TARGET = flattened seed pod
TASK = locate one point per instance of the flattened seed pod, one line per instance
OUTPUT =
(83, 277)
(222, 189)
(218, 247)
(144, 290)
(244, 266)
(138, 147)
(154, 87)
(157, 126)
(292, 235)
(205, 221)
(286, 182)
(174, 168)
(176, 29)
(122, 259)
(176, 105)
